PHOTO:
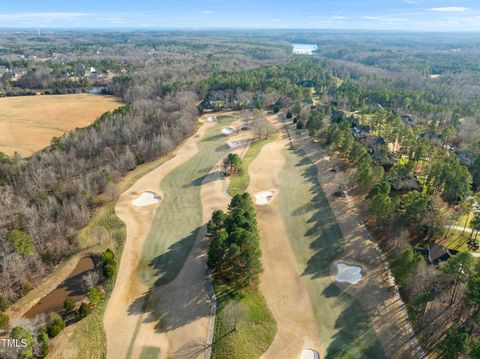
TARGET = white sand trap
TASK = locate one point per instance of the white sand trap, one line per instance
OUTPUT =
(263, 197)
(233, 144)
(146, 199)
(211, 119)
(309, 354)
(228, 131)
(350, 274)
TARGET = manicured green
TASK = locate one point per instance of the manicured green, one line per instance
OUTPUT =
(255, 326)
(316, 239)
(179, 215)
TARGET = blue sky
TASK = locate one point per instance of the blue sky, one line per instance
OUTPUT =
(417, 15)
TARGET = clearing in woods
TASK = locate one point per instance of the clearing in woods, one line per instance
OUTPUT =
(28, 123)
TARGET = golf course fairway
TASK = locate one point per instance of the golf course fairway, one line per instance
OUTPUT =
(316, 239)
(179, 217)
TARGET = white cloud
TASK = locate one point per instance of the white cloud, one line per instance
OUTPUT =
(411, 2)
(207, 12)
(337, 17)
(372, 18)
(45, 16)
(451, 9)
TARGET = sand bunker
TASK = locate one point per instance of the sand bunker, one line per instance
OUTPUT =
(211, 119)
(349, 274)
(263, 197)
(146, 199)
(228, 131)
(233, 144)
(309, 354)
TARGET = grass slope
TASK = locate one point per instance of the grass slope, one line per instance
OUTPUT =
(244, 326)
(179, 217)
(256, 326)
(317, 241)
(240, 181)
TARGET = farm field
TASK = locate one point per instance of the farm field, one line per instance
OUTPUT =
(28, 123)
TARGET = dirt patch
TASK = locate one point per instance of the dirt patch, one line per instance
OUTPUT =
(28, 123)
(281, 282)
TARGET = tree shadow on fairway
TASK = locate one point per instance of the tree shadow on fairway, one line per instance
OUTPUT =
(168, 303)
(355, 337)
(327, 242)
(166, 266)
(210, 177)
(214, 138)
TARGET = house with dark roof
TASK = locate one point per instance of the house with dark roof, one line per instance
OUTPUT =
(436, 253)
(207, 105)
(407, 184)
(307, 83)
(361, 131)
(408, 119)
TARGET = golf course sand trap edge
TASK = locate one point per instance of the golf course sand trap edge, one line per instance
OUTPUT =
(309, 354)
(264, 197)
(147, 198)
(348, 273)
(233, 144)
(228, 131)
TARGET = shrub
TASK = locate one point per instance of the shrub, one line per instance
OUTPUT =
(21, 241)
(68, 304)
(108, 256)
(108, 263)
(4, 303)
(22, 333)
(55, 325)
(109, 270)
(289, 115)
(94, 294)
(83, 311)
(4, 320)
(42, 340)
(26, 287)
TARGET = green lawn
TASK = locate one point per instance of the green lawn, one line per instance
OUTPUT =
(316, 239)
(240, 181)
(244, 326)
(179, 215)
(458, 240)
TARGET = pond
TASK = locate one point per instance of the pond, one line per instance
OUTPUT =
(304, 49)
(71, 287)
